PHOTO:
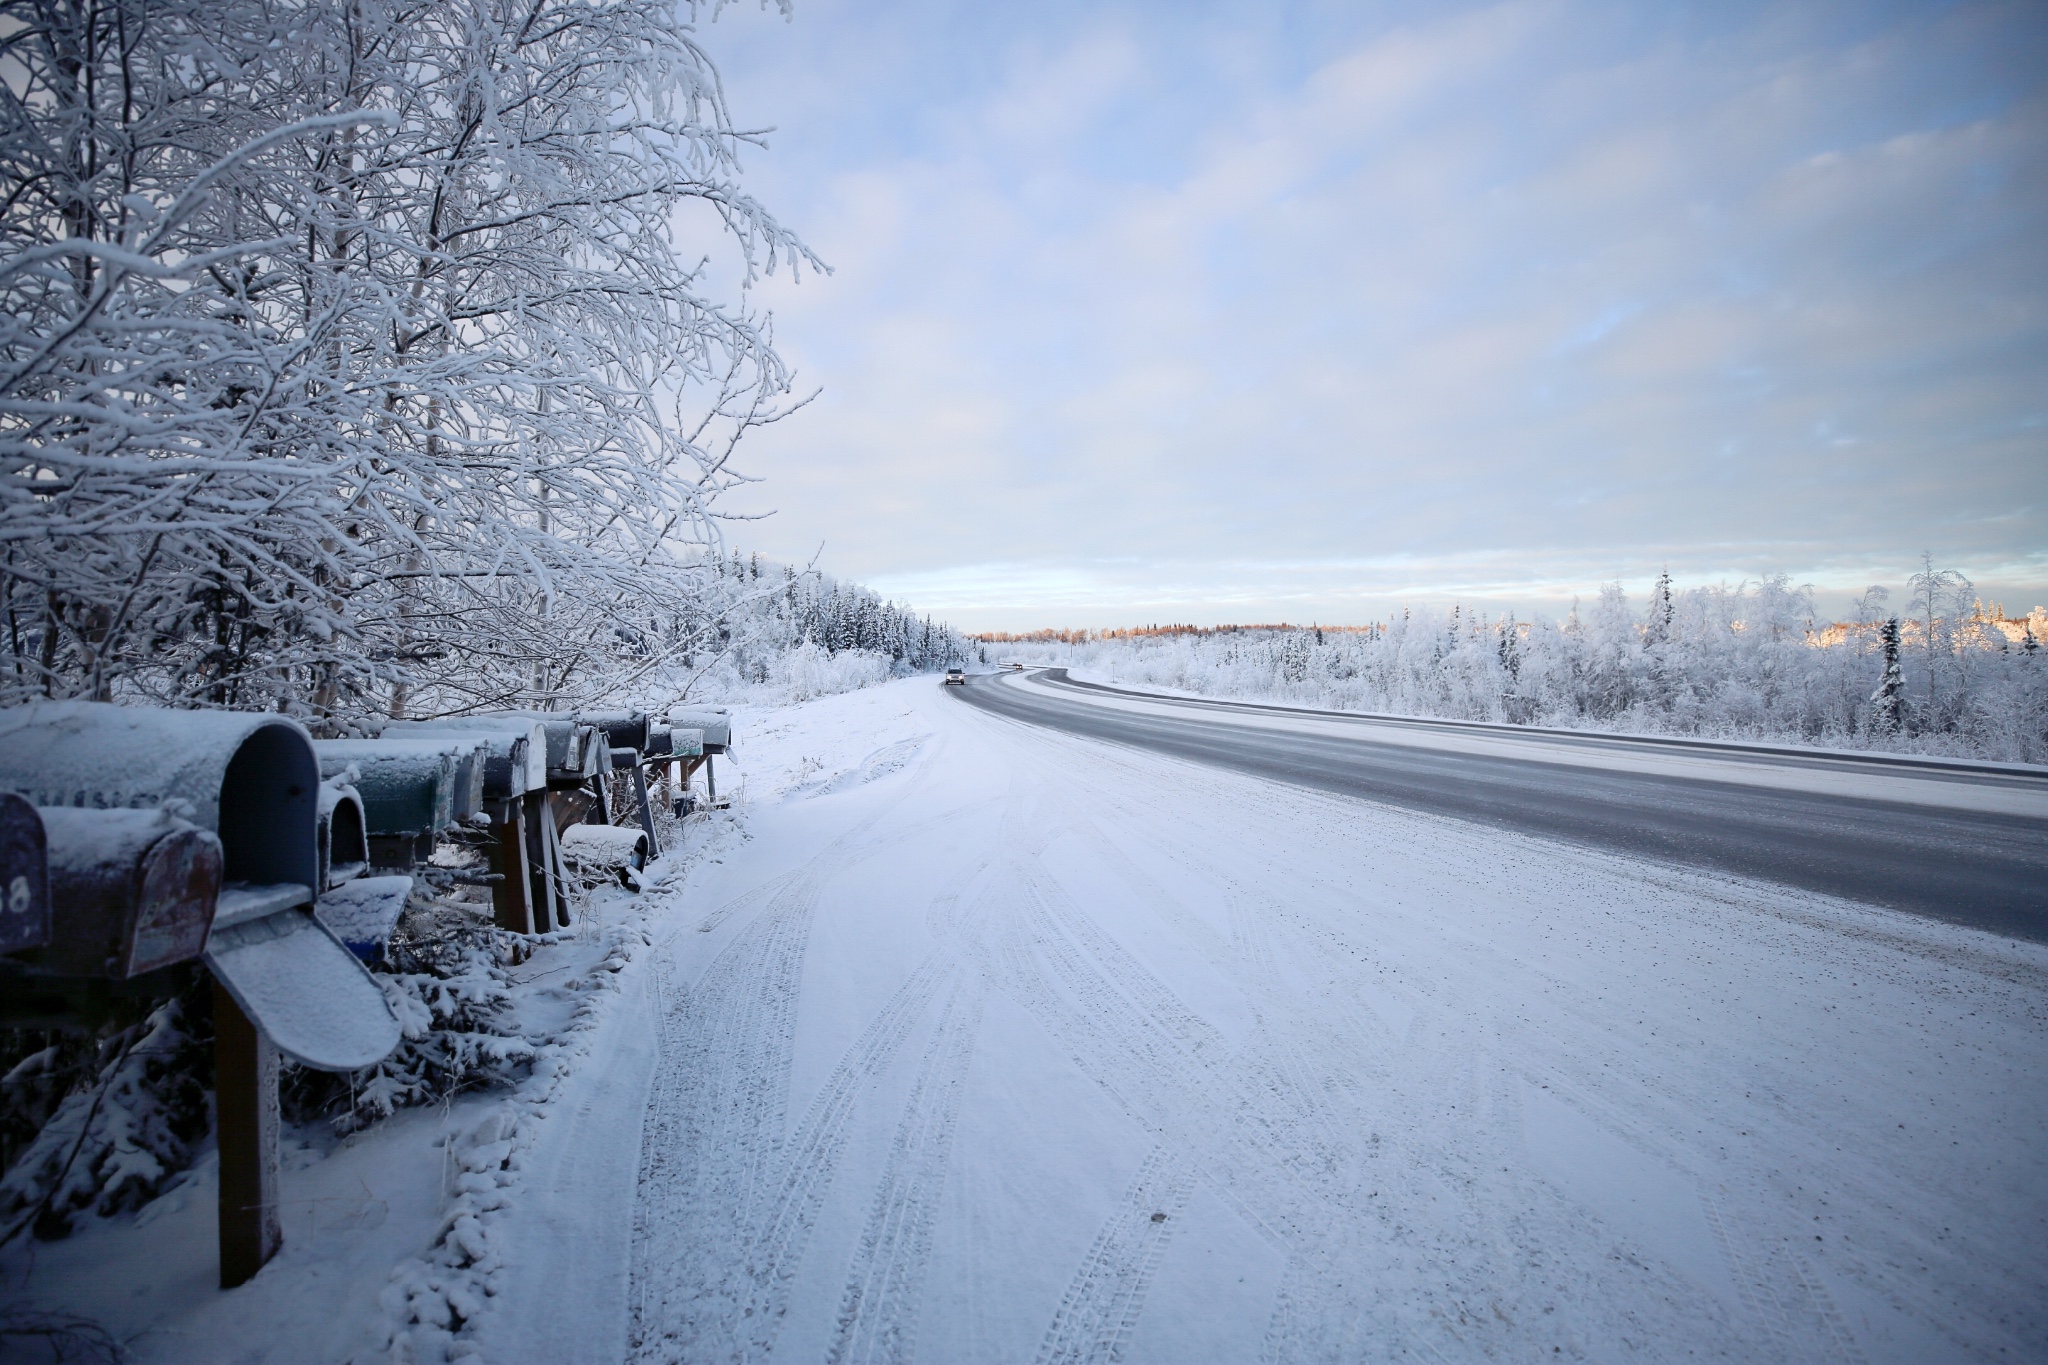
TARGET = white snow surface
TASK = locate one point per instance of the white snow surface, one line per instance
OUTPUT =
(958, 1040)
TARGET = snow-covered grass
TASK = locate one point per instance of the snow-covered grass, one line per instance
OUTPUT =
(959, 1040)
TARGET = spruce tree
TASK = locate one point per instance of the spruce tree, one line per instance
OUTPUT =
(1887, 704)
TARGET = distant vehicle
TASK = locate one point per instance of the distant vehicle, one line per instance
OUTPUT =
(956, 675)
(1016, 668)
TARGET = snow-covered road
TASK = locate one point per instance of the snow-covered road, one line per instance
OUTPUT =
(993, 1044)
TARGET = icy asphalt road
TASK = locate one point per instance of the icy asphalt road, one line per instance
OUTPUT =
(1967, 843)
(994, 1043)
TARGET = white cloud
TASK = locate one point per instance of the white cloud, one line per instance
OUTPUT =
(1512, 286)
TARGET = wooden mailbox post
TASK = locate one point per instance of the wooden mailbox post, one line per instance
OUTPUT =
(513, 771)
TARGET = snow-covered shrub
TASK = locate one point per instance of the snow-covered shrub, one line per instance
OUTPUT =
(445, 975)
(809, 671)
(112, 1144)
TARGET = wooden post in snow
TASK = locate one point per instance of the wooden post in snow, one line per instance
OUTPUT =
(245, 1097)
(512, 893)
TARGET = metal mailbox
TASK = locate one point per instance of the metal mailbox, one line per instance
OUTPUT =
(714, 722)
(364, 913)
(24, 876)
(593, 752)
(131, 891)
(622, 729)
(515, 751)
(657, 745)
(526, 898)
(344, 839)
(407, 786)
(575, 750)
(412, 785)
(686, 743)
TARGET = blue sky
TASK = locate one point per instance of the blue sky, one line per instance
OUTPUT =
(1200, 312)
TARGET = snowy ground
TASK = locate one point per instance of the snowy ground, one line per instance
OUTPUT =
(971, 1042)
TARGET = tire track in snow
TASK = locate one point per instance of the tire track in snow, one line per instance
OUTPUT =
(1264, 1141)
(715, 1115)
(811, 1156)
(878, 1310)
(1102, 1305)
(714, 1128)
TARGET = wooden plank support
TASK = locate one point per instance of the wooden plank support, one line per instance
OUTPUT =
(548, 897)
(559, 869)
(245, 1099)
(512, 893)
(646, 812)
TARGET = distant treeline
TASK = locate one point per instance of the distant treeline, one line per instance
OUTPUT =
(1069, 637)
(1948, 674)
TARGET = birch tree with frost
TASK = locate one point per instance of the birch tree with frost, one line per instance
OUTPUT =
(353, 356)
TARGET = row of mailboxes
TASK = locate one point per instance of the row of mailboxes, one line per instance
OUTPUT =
(133, 840)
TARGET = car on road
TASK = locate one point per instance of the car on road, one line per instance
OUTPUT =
(956, 675)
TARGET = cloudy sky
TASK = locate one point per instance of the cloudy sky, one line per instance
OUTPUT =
(1186, 311)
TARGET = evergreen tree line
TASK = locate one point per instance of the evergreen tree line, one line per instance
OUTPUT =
(1944, 675)
(755, 625)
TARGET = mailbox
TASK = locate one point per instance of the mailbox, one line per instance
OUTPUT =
(593, 755)
(526, 897)
(407, 786)
(24, 876)
(344, 841)
(515, 751)
(130, 891)
(714, 722)
(250, 778)
(575, 750)
(622, 729)
(686, 743)
(657, 745)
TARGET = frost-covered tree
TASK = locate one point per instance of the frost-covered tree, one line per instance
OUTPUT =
(1887, 703)
(357, 350)
(1747, 660)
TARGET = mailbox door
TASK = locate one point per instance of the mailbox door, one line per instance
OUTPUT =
(176, 886)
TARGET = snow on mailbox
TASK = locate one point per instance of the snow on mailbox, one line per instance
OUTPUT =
(716, 725)
(622, 729)
(132, 891)
(515, 751)
(409, 789)
(24, 876)
(344, 841)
